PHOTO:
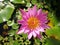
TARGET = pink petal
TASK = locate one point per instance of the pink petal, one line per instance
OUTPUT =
(25, 17)
(42, 18)
(28, 15)
(32, 11)
(24, 23)
(20, 21)
(20, 31)
(30, 35)
(40, 29)
(36, 31)
(39, 36)
(23, 12)
(44, 26)
(39, 11)
(26, 31)
(43, 21)
(34, 34)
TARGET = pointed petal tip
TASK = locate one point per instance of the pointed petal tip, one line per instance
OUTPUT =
(30, 35)
(40, 9)
(20, 9)
(22, 12)
(20, 31)
(34, 7)
(17, 32)
(39, 36)
(34, 34)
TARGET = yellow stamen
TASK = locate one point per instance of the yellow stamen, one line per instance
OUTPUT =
(33, 22)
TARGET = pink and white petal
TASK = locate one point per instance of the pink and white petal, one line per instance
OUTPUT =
(25, 17)
(40, 29)
(43, 17)
(37, 32)
(20, 31)
(39, 12)
(28, 15)
(43, 21)
(26, 31)
(39, 36)
(29, 11)
(44, 26)
(20, 21)
(22, 12)
(34, 11)
(34, 34)
(24, 23)
(30, 35)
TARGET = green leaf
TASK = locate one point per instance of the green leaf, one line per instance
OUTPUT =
(10, 23)
(28, 5)
(1, 38)
(16, 43)
(1, 5)
(34, 1)
(39, 5)
(54, 32)
(18, 1)
(52, 18)
(15, 26)
(12, 32)
(51, 41)
(6, 13)
(37, 41)
(24, 35)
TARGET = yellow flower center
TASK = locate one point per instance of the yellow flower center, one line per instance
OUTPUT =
(33, 22)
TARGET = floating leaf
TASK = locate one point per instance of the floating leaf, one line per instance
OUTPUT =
(15, 26)
(54, 32)
(52, 18)
(10, 23)
(12, 32)
(37, 41)
(6, 13)
(18, 1)
(51, 41)
(15, 43)
(28, 5)
(34, 1)
(24, 35)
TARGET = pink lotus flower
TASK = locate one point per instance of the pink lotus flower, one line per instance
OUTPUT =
(33, 22)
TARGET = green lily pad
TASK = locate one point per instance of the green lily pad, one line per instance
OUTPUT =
(15, 26)
(10, 23)
(51, 41)
(6, 13)
(54, 32)
(18, 1)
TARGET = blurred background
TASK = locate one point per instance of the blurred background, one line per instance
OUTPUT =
(10, 13)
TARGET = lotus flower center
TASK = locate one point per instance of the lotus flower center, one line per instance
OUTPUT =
(33, 22)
